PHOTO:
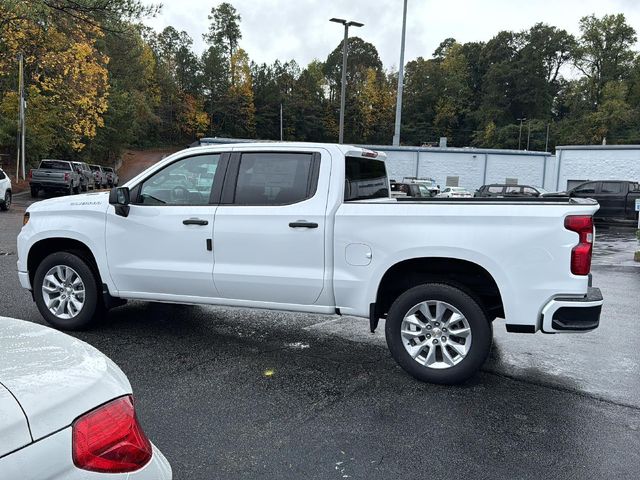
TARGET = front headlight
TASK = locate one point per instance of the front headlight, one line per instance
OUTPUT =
(25, 218)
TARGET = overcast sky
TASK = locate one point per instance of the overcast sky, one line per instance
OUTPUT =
(300, 29)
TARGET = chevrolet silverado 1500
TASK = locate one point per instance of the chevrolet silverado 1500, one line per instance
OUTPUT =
(311, 228)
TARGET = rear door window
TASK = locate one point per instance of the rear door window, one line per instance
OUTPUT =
(495, 189)
(365, 178)
(611, 187)
(275, 179)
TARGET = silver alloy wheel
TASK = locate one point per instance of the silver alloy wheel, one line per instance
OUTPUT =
(436, 334)
(63, 292)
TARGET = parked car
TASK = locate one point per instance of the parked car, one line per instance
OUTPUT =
(311, 228)
(112, 176)
(87, 180)
(617, 198)
(504, 190)
(410, 190)
(430, 183)
(54, 176)
(67, 410)
(100, 176)
(5, 191)
(454, 192)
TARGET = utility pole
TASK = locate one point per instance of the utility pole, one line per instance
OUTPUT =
(520, 135)
(344, 69)
(546, 144)
(528, 134)
(281, 136)
(396, 134)
(21, 122)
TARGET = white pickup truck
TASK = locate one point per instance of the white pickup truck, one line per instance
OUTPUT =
(311, 228)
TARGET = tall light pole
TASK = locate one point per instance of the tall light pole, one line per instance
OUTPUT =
(396, 135)
(346, 24)
(520, 135)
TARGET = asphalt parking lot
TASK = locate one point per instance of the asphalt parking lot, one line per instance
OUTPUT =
(233, 393)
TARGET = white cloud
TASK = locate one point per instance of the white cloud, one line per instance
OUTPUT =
(300, 29)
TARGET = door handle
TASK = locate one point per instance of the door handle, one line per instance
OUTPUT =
(195, 221)
(303, 224)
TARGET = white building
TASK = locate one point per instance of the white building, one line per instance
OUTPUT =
(470, 167)
(473, 167)
(579, 163)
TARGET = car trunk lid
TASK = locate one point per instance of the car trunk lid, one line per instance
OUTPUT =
(14, 429)
(54, 377)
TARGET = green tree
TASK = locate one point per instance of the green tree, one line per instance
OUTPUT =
(224, 31)
(604, 52)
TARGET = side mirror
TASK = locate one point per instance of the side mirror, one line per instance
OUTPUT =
(119, 197)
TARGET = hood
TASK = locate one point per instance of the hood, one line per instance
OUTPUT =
(54, 377)
(96, 201)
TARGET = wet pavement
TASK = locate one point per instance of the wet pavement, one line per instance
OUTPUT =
(615, 246)
(235, 393)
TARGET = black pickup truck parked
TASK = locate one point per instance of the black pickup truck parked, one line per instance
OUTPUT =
(617, 198)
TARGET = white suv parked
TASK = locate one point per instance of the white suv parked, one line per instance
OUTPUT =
(5, 191)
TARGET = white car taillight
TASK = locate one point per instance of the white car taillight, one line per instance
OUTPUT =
(110, 439)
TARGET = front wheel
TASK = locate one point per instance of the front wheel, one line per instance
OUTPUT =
(437, 333)
(6, 205)
(66, 291)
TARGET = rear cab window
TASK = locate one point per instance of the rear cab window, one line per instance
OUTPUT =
(55, 165)
(365, 179)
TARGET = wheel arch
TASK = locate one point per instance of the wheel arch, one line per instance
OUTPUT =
(471, 277)
(42, 248)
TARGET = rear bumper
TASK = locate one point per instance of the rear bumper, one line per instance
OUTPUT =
(562, 315)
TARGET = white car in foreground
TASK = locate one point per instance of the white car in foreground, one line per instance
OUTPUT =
(66, 411)
(5, 191)
(455, 192)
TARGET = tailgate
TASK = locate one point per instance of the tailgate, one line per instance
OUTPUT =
(48, 175)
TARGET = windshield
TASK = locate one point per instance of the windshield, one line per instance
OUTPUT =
(95, 168)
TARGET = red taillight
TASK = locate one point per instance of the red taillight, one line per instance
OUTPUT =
(66, 177)
(581, 253)
(30, 174)
(110, 439)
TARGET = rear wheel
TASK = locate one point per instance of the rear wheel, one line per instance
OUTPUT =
(34, 192)
(6, 204)
(66, 291)
(438, 333)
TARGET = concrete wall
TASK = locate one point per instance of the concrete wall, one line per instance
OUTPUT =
(597, 162)
(473, 167)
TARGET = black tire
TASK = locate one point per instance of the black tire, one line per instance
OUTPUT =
(481, 333)
(92, 309)
(6, 203)
(34, 192)
(76, 190)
